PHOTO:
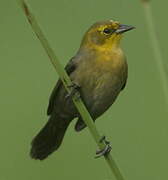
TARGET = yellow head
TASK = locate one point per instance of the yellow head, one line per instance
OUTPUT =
(104, 34)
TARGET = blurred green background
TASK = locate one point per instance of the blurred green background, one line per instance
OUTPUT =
(137, 123)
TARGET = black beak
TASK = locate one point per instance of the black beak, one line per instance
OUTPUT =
(124, 28)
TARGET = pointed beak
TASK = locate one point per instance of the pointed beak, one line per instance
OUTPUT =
(124, 28)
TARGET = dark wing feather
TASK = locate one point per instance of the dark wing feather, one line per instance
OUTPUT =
(126, 76)
(70, 67)
(124, 85)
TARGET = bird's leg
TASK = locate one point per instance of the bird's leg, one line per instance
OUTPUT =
(104, 151)
(74, 91)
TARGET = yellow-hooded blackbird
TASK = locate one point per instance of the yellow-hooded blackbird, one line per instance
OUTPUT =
(99, 69)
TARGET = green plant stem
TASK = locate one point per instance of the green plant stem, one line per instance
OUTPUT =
(156, 47)
(66, 81)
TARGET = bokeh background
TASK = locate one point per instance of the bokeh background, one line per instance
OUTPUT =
(137, 124)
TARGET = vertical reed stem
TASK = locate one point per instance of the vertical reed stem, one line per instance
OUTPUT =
(156, 48)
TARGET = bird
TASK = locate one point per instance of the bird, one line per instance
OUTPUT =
(99, 73)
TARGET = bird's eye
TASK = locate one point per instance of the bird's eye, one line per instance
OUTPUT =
(107, 31)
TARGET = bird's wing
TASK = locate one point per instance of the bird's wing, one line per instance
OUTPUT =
(126, 76)
(70, 67)
(124, 85)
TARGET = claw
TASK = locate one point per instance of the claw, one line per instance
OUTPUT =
(103, 138)
(74, 91)
(104, 151)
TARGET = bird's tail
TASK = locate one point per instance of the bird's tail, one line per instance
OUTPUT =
(49, 138)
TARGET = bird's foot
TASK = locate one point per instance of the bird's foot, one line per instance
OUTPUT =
(74, 91)
(104, 151)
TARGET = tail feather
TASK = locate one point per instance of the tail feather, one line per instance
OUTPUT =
(49, 138)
